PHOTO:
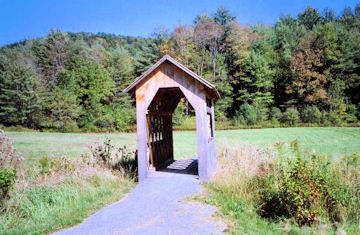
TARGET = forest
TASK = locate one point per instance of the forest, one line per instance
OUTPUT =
(302, 70)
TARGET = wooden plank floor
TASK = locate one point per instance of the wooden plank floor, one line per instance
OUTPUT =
(185, 166)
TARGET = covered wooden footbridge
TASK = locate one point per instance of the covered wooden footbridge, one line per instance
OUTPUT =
(158, 92)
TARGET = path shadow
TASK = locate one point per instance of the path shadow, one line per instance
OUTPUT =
(186, 166)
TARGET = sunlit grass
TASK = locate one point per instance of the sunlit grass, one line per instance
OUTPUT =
(48, 207)
(336, 141)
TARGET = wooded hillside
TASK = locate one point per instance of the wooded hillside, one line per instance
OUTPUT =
(304, 69)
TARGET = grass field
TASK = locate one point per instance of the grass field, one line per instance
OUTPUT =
(44, 203)
(327, 141)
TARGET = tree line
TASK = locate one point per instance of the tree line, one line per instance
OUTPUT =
(301, 69)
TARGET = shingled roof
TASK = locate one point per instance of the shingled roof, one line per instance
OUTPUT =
(207, 84)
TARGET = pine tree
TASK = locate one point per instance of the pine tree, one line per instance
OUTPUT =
(18, 97)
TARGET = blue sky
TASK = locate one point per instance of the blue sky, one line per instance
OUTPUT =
(30, 19)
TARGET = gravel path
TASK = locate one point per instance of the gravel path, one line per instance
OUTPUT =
(155, 206)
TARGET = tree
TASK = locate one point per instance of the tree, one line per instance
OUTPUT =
(223, 16)
(98, 53)
(18, 97)
(207, 34)
(160, 35)
(255, 85)
(286, 41)
(51, 53)
(237, 44)
(223, 85)
(348, 18)
(310, 18)
(182, 43)
(288, 36)
(306, 64)
(121, 70)
(92, 85)
(332, 68)
(148, 54)
(350, 65)
(62, 110)
(70, 80)
(77, 49)
(120, 67)
(202, 18)
(329, 15)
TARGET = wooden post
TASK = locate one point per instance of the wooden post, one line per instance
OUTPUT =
(148, 131)
(202, 132)
(141, 133)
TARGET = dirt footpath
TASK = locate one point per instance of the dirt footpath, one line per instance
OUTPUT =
(155, 206)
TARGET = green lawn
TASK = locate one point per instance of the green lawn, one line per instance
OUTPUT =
(65, 203)
(336, 141)
(330, 141)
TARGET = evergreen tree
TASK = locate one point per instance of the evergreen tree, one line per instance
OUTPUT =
(92, 85)
(62, 110)
(223, 16)
(18, 97)
(256, 84)
(310, 18)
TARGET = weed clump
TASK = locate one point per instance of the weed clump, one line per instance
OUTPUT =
(9, 164)
(303, 187)
(119, 159)
(284, 184)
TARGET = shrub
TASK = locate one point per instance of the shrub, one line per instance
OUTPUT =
(125, 117)
(220, 116)
(179, 114)
(121, 159)
(102, 152)
(310, 114)
(187, 123)
(45, 165)
(285, 183)
(126, 161)
(9, 165)
(7, 179)
(275, 122)
(306, 187)
(291, 117)
(261, 113)
(324, 118)
(105, 121)
(90, 127)
(246, 115)
(275, 112)
(52, 165)
(335, 119)
(351, 113)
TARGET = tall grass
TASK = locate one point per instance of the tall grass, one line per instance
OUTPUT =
(282, 190)
(50, 207)
(60, 192)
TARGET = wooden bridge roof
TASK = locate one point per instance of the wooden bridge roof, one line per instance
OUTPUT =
(210, 88)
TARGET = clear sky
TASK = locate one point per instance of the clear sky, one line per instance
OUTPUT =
(25, 19)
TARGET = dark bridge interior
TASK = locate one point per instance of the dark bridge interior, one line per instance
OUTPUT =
(160, 133)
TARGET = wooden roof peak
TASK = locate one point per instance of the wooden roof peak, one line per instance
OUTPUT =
(182, 67)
